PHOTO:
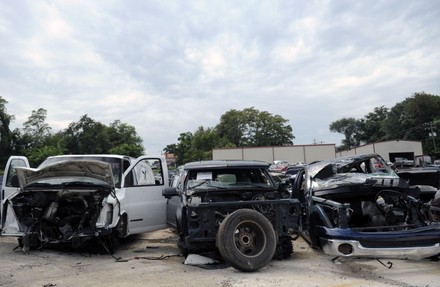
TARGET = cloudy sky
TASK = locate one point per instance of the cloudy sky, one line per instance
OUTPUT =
(168, 67)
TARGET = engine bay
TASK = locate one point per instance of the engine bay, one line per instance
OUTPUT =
(57, 217)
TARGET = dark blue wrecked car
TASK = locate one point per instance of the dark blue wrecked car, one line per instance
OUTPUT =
(359, 207)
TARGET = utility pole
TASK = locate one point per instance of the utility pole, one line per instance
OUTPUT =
(432, 134)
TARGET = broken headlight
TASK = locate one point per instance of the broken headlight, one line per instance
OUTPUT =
(105, 217)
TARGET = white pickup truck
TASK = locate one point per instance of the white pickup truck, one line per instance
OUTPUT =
(71, 199)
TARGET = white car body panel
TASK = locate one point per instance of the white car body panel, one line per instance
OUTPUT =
(93, 169)
(7, 188)
(137, 196)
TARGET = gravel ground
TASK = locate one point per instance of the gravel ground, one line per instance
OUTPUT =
(151, 259)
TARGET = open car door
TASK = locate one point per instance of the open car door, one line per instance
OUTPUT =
(10, 181)
(143, 184)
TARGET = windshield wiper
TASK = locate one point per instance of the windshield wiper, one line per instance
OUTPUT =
(207, 183)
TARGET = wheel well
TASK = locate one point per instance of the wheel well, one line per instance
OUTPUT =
(122, 226)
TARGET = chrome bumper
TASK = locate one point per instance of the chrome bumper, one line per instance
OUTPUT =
(353, 248)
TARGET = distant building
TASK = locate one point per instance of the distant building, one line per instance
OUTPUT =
(170, 158)
(292, 154)
(389, 150)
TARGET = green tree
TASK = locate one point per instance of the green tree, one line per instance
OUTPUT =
(415, 118)
(34, 139)
(202, 143)
(123, 139)
(370, 127)
(36, 128)
(232, 127)
(397, 124)
(249, 127)
(252, 127)
(86, 137)
(171, 148)
(194, 147)
(7, 138)
(133, 150)
(349, 127)
(183, 147)
(271, 130)
(38, 155)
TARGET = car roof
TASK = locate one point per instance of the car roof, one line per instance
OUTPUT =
(51, 159)
(89, 155)
(226, 164)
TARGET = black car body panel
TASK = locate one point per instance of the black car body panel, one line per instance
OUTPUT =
(210, 192)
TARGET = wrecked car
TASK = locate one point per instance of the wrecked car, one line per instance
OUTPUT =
(234, 209)
(79, 199)
(358, 206)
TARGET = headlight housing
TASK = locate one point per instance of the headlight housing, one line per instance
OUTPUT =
(105, 218)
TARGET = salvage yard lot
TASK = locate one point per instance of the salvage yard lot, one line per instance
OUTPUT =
(141, 265)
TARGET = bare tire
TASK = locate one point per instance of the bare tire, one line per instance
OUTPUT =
(246, 240)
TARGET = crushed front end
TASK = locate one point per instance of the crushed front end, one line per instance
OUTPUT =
(235, 207)
(63, 204)
(358, 207)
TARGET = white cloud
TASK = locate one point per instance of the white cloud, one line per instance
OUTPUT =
(167, 67)
(290, 52)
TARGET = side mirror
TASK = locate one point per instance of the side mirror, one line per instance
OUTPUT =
(169, 192)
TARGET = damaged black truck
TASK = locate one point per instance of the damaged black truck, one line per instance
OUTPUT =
(235, 208)
(354, 206)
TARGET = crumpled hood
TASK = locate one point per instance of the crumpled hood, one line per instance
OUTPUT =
(97, 170)
(336, 172)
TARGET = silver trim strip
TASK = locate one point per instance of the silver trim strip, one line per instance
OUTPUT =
(330, 247)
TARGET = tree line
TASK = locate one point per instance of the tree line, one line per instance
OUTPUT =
(416, 118)
(37, 141)
(246, 128)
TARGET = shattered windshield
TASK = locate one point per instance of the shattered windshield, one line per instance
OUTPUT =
(227, 179)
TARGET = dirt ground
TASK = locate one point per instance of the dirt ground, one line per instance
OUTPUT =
(151, 259)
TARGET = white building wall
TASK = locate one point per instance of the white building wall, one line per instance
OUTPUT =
(346, 153)
(310, 153)
(366, 149)
(319, 152)
(293, 154)
(227, 153)
(258, 153)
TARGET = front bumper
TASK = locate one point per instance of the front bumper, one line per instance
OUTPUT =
(415, 244)
(353, 248)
